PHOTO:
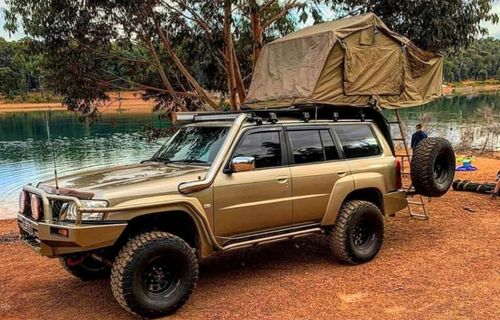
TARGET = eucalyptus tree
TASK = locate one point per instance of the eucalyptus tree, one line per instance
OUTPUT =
(435, 25)
(180, 51)
(188, 44)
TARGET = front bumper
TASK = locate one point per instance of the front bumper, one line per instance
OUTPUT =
(47, 240)
(394, 202)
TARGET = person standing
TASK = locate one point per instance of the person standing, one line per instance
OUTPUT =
(418, 136)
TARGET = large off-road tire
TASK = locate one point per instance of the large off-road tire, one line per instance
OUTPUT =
(154, 274)
(433, 167)
(85, 267)
(358, 233)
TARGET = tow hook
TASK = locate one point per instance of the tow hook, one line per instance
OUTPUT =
(75, 260)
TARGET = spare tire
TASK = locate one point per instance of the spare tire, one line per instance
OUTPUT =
(433, 167)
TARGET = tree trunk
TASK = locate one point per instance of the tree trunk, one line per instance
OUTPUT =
(230, 80)
(163, 75)
(240, 86)
(168, 47)
(229, 56)
(257, 31)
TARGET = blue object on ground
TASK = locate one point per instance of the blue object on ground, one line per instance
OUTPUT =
(466, 168)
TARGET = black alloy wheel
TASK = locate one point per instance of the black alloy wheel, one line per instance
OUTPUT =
(358, 233)
(154, 274)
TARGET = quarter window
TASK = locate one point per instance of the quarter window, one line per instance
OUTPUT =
(312, 146)
(357, 140)
(265, 147)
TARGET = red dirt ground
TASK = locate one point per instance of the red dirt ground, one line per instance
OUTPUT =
(444, 268)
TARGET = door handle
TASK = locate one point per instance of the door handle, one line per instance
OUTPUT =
(341, 173)
(282, 179)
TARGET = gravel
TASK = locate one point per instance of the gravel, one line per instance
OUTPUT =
(445, 268)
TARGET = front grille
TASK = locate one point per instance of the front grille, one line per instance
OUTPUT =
(57, 207)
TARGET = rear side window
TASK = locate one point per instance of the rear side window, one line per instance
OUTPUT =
(357, 140)
(263, 146)
(312, 146)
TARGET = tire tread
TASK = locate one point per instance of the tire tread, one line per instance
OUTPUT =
(121, 265)
(338, 240)
(422, 165)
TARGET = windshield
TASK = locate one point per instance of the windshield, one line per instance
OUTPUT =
(193, 145)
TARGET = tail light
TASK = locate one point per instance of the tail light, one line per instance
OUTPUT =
(35, 207)
(23, 201)
(399, 179)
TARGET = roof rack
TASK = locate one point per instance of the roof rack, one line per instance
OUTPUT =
(302, 112)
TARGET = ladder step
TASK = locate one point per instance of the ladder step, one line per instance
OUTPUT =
(419, 216)
(416, 203)
(410, 191)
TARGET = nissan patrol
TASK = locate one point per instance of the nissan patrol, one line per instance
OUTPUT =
(228, 181)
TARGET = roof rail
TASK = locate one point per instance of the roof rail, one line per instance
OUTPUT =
(303, 112)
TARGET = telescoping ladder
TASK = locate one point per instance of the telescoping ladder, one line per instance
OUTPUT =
(416, 201)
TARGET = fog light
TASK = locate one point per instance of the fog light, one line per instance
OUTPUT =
(22, 201)
(35, 207)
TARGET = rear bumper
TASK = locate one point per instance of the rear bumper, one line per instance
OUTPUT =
(46, 240)
(394, 202)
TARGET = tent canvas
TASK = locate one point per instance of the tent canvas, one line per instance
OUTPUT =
(348, 62)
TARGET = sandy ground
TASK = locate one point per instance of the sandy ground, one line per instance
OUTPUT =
(444, 268)
(128, 101)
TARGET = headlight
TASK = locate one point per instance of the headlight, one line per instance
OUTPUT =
(71, 210)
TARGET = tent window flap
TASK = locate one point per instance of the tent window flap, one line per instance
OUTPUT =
(373, 70)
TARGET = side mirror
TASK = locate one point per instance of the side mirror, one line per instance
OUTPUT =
(240, 164)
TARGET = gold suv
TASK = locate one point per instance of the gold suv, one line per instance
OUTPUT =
(226, 181)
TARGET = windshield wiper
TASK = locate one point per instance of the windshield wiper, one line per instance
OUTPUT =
(187, 161)
(156, 159)
(165, 160)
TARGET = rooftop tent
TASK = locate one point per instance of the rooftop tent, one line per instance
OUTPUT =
(351, 61)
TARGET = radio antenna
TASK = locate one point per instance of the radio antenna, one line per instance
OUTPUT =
(47, 123)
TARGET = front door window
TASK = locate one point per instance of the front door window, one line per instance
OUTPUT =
(263, 146)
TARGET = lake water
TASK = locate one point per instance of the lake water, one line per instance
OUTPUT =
(25, 156)
(469, 122)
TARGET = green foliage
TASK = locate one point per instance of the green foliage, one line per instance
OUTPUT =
(20, 67)
(479, 61)
(91, 47)
(85, 48)
(435, 25)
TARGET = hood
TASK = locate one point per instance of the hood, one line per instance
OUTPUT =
(129, 180)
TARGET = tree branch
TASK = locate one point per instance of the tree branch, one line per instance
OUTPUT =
(168, 47)
(196, 17)
(115, 56)
(163, 75)
(138, 85)
(266, 5)
(288, 6)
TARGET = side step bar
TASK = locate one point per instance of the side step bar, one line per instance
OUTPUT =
(270, 239)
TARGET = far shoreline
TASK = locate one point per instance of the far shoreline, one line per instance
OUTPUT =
(126, 101)
(131, 101)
